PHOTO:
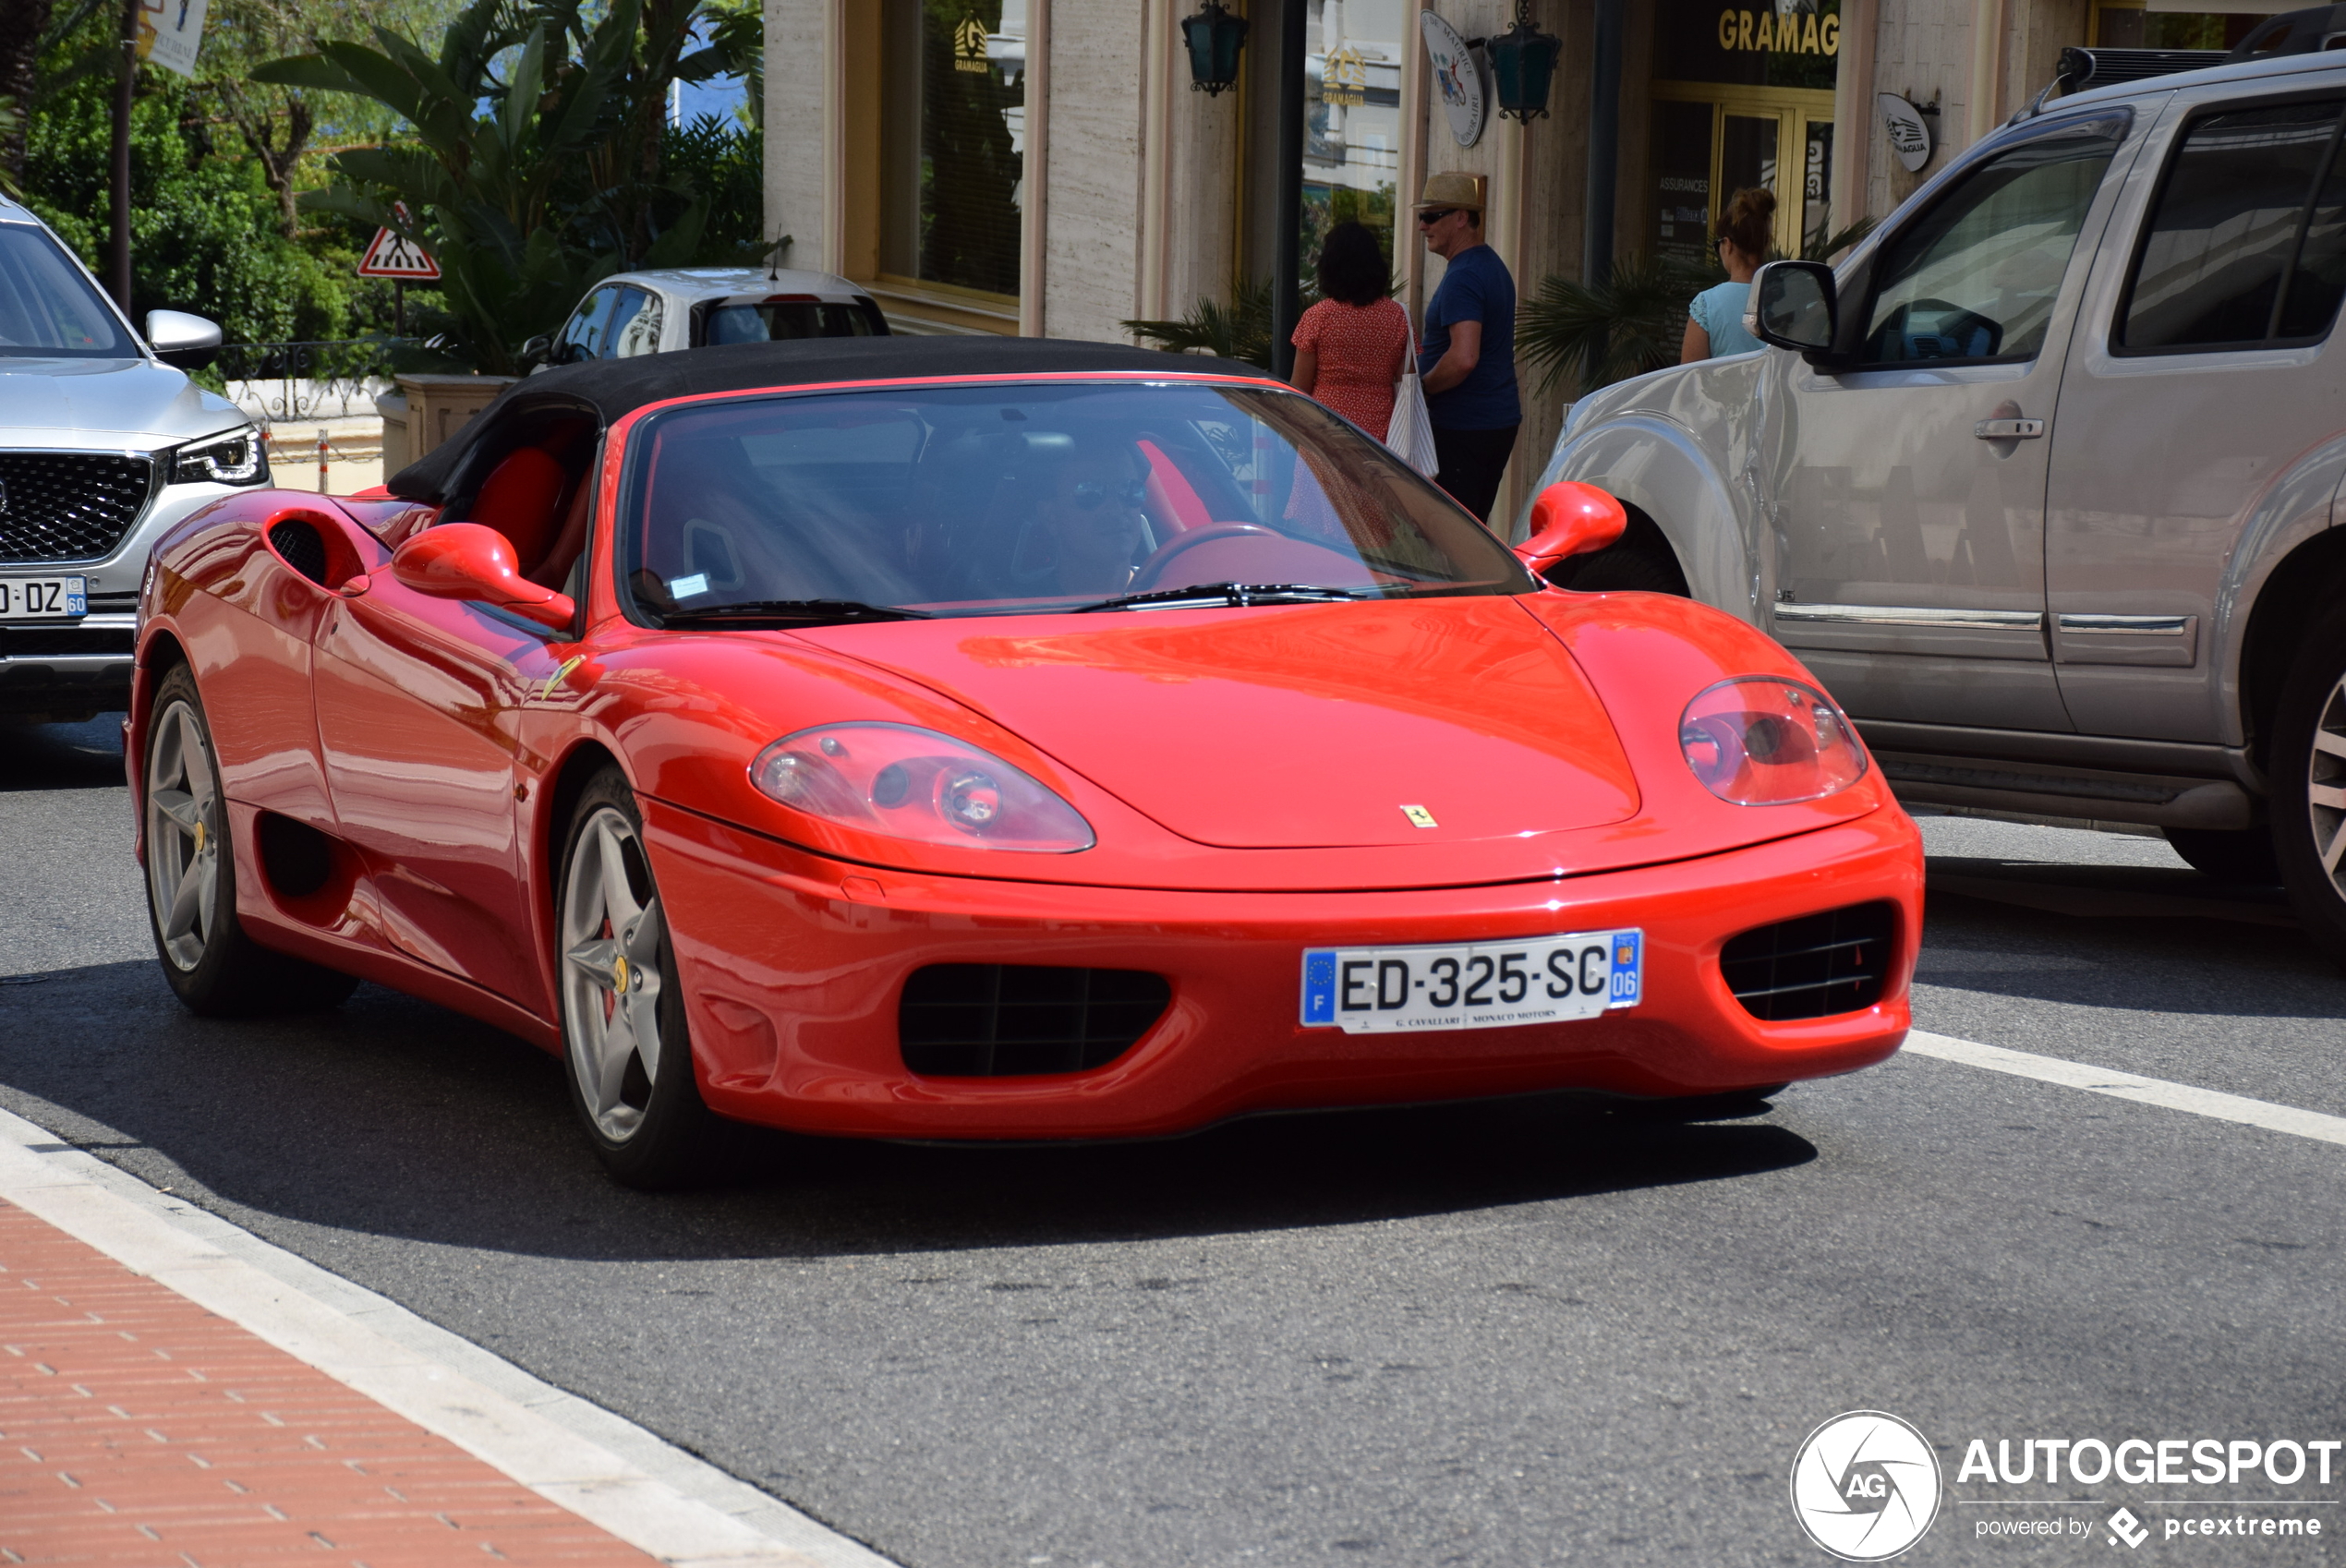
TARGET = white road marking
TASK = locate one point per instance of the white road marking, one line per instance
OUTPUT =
(607, 1470)
(2127, 1086)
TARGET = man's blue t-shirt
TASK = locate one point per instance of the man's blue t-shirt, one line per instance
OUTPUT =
(1475, 288)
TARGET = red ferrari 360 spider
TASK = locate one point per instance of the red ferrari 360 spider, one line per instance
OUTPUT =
(960, 739)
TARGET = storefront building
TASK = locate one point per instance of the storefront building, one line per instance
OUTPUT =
(1044, 167)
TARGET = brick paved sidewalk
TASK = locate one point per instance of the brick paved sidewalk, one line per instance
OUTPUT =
(139, 1430)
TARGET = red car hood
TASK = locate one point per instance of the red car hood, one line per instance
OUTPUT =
(1293, 727)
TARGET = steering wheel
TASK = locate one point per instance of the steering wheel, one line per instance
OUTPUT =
(1954, 332)
(1180, 545)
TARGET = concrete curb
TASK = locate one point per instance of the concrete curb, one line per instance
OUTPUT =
(607, 1470)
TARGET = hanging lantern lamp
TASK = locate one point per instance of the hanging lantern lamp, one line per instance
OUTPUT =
(1523, 65)
(1213, 36)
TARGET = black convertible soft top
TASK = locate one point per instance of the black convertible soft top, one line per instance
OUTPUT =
(608, 388)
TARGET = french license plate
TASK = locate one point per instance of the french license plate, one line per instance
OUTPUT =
(1478, 986)
(43, 599)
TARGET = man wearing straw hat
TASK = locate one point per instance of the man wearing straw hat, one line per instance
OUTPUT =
(1467, 362)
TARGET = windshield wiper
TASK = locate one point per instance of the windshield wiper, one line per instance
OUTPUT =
(1236, 593)
(789, 612)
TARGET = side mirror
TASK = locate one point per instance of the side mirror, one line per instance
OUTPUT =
(190, 341)
(1570, 519)
(1793, 305)
(466, 560)
(539, 349)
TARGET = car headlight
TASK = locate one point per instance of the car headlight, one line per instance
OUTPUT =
(237, 458)
(1766, 740)
(918, 784)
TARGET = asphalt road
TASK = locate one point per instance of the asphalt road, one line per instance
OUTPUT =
(1502, 1335)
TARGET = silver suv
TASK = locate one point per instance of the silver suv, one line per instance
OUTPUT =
(2043, 480)
(103, 446)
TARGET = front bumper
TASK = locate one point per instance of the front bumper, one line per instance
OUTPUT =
(85, 664)
(67, 667)
(793, 965)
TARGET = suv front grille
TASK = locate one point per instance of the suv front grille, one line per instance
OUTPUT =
(69, 505)
(1007, 1020)
(1813, 967)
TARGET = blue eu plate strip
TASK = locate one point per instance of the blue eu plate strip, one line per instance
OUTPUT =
(1319, 985)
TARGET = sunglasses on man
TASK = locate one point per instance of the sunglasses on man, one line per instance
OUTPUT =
(1439, 214)
(1090, 495)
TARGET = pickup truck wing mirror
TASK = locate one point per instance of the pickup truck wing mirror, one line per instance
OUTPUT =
(1794, 305)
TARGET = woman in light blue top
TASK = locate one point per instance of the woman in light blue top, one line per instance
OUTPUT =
(1714, 321)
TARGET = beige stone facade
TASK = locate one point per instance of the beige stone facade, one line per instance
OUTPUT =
(1134, 197)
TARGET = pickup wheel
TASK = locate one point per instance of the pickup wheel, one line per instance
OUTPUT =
(1640, 561)
(2243, 856)
(2309, 785)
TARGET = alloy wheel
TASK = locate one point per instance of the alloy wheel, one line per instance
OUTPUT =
(2326, 786)
(186, 828)
(610, 936)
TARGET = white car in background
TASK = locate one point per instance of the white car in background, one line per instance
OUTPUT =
(659, 312)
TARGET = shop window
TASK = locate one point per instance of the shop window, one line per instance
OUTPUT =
(2231, 258)
(952, 142)
(1743, 98)
(1352, 115)
(2139, 27)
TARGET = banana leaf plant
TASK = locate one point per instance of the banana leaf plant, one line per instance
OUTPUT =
(528, 187)
(1636, 320)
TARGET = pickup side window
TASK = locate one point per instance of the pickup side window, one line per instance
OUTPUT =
(2247, 243)
(1974, 279)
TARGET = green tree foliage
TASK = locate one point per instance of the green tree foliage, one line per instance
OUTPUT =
(534, 162)
(204, 230)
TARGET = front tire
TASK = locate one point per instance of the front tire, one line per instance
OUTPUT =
(627, 1052)
(214, 968)
(2309, 786)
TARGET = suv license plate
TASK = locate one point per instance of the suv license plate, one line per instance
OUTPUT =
(43, 599)
(1479, 986)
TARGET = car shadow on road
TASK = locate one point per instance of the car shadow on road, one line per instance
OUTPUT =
(392, 1116)
(61, 756)
(2121, 936)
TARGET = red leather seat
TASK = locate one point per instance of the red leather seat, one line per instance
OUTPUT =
(520, 500)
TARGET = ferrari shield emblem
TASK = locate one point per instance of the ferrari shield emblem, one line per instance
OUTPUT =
(1420, 817)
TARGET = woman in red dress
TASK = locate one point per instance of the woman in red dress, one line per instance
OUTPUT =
(1350, 347)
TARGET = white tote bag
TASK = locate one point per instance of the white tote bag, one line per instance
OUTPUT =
(1411, 436)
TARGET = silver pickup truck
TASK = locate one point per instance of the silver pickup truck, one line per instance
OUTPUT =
(2043, 480)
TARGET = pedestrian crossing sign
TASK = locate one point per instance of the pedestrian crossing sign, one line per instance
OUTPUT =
(391, 256)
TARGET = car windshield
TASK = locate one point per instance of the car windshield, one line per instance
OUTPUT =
(996, 499)
(48, 309)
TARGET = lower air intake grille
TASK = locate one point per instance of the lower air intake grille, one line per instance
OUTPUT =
(69, 505)
(1813, 967)
(1006, 1021)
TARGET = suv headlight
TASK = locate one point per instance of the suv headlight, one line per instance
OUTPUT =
(237, 458)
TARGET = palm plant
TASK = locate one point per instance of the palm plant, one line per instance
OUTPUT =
(1635, 320)
(1241, 330)
(555, 186)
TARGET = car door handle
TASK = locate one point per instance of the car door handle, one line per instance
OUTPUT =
(2009, 430)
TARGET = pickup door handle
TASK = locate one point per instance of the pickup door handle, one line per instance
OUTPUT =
(2009, 430)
